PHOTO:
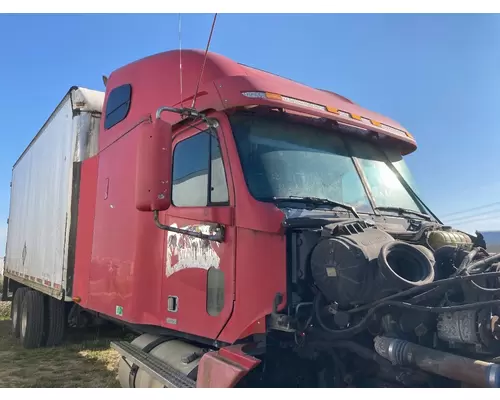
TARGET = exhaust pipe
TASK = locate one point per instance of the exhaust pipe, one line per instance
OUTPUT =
(475, 372)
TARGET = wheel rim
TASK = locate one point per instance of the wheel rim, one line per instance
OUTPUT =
(24, 323)
(14, 314)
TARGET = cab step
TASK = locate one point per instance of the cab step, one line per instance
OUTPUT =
(158, 369)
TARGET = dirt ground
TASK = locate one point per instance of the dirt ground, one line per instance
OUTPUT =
(85, 360)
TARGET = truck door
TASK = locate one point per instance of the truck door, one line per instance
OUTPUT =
(198, 281)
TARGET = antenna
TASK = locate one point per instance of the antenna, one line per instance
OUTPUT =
(190, 112)
(180, 57)
(204, 61)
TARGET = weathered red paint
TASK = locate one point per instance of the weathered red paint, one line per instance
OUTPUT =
(190, 284)
(225, 368)
(121, 254)
(85, 228)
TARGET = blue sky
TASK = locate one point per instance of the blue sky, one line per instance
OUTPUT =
(438, 75)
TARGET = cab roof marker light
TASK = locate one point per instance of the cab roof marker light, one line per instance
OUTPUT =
(254, 95)
(344, 114)
(274, 96)
(394, 130)
(303, 103)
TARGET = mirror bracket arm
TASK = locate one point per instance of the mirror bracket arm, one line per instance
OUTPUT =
(218, 236)
(188, 113)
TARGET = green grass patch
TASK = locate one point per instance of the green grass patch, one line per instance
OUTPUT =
(4, 310)
(84, 360)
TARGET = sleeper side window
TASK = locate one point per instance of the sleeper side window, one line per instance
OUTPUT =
(118, 105)
(198, 176)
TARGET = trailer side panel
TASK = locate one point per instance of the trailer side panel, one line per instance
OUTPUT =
(45, 183)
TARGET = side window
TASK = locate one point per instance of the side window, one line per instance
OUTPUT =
(118, 105)
(198, 173)
(218, 184)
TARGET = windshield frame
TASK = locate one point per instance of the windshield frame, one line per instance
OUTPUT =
(370, 137)
(383, 151)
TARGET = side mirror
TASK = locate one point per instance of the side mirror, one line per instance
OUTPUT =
(154, 166)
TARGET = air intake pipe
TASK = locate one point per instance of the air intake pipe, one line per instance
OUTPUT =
(467, 370)
(402, 265)
(363, 267)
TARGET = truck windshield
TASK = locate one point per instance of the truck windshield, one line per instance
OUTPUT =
(281, 159)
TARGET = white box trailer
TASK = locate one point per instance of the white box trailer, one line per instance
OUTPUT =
(40, 248)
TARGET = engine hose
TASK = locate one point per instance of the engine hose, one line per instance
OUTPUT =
(407, 377)
(342, 333)
(468, 266)
(362, 325)
(461, 307)
(468, 269)
(302, 329)
(407, 292)
(482, 264)
(353, 347)
(361, 351)
(478, 267)
(472, 269)
(466, 261)
(404, 353)
(482, 288)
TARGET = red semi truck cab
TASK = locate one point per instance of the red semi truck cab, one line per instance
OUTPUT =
(223, 290)
(267, 140)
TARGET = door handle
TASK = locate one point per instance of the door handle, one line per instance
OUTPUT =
(217, 231)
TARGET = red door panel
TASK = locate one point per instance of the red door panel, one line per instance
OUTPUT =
(187, 261)
(198, 285)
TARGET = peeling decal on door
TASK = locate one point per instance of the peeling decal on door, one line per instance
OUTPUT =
(185, 251)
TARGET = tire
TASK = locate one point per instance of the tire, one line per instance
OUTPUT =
(56, 322)
(32, 319)
(16, 309)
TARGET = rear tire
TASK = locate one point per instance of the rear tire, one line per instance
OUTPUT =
(16, 310)
(32, 318)
(56, 321)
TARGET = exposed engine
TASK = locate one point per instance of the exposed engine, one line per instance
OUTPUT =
(421, 305)
(366, 265)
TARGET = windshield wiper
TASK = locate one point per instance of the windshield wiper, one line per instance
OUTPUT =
(316, 201)
(402, 210)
